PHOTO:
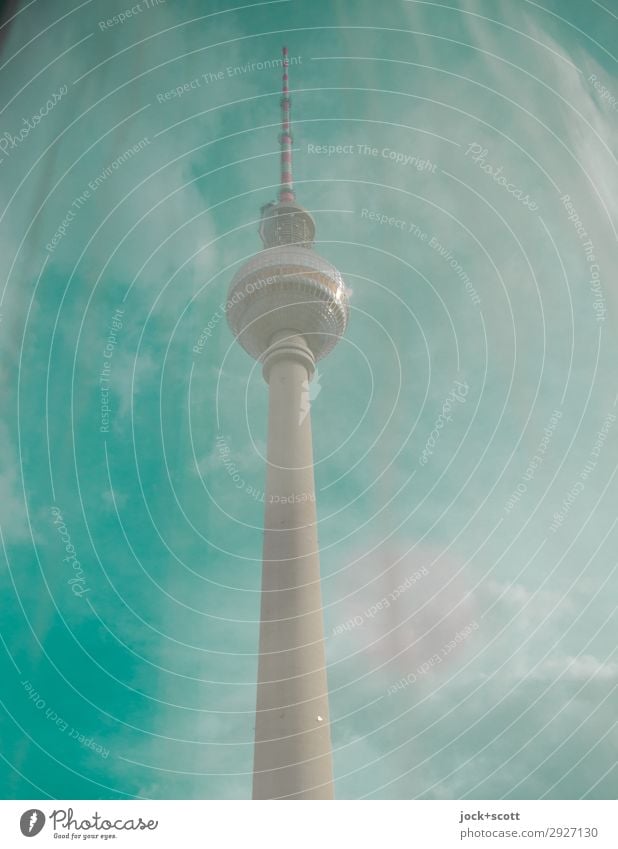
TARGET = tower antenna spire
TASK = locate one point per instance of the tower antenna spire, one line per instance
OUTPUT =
(286, 192)
(284, 222)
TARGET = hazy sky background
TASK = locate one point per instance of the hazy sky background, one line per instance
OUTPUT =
(491, 670)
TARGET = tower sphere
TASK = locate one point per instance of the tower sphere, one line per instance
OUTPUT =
(287, 287)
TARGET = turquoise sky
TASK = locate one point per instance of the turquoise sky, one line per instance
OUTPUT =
(465, 431)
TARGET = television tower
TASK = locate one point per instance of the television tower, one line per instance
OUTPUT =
(288, 307)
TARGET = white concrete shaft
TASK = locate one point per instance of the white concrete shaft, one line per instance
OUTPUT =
(293, 758)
